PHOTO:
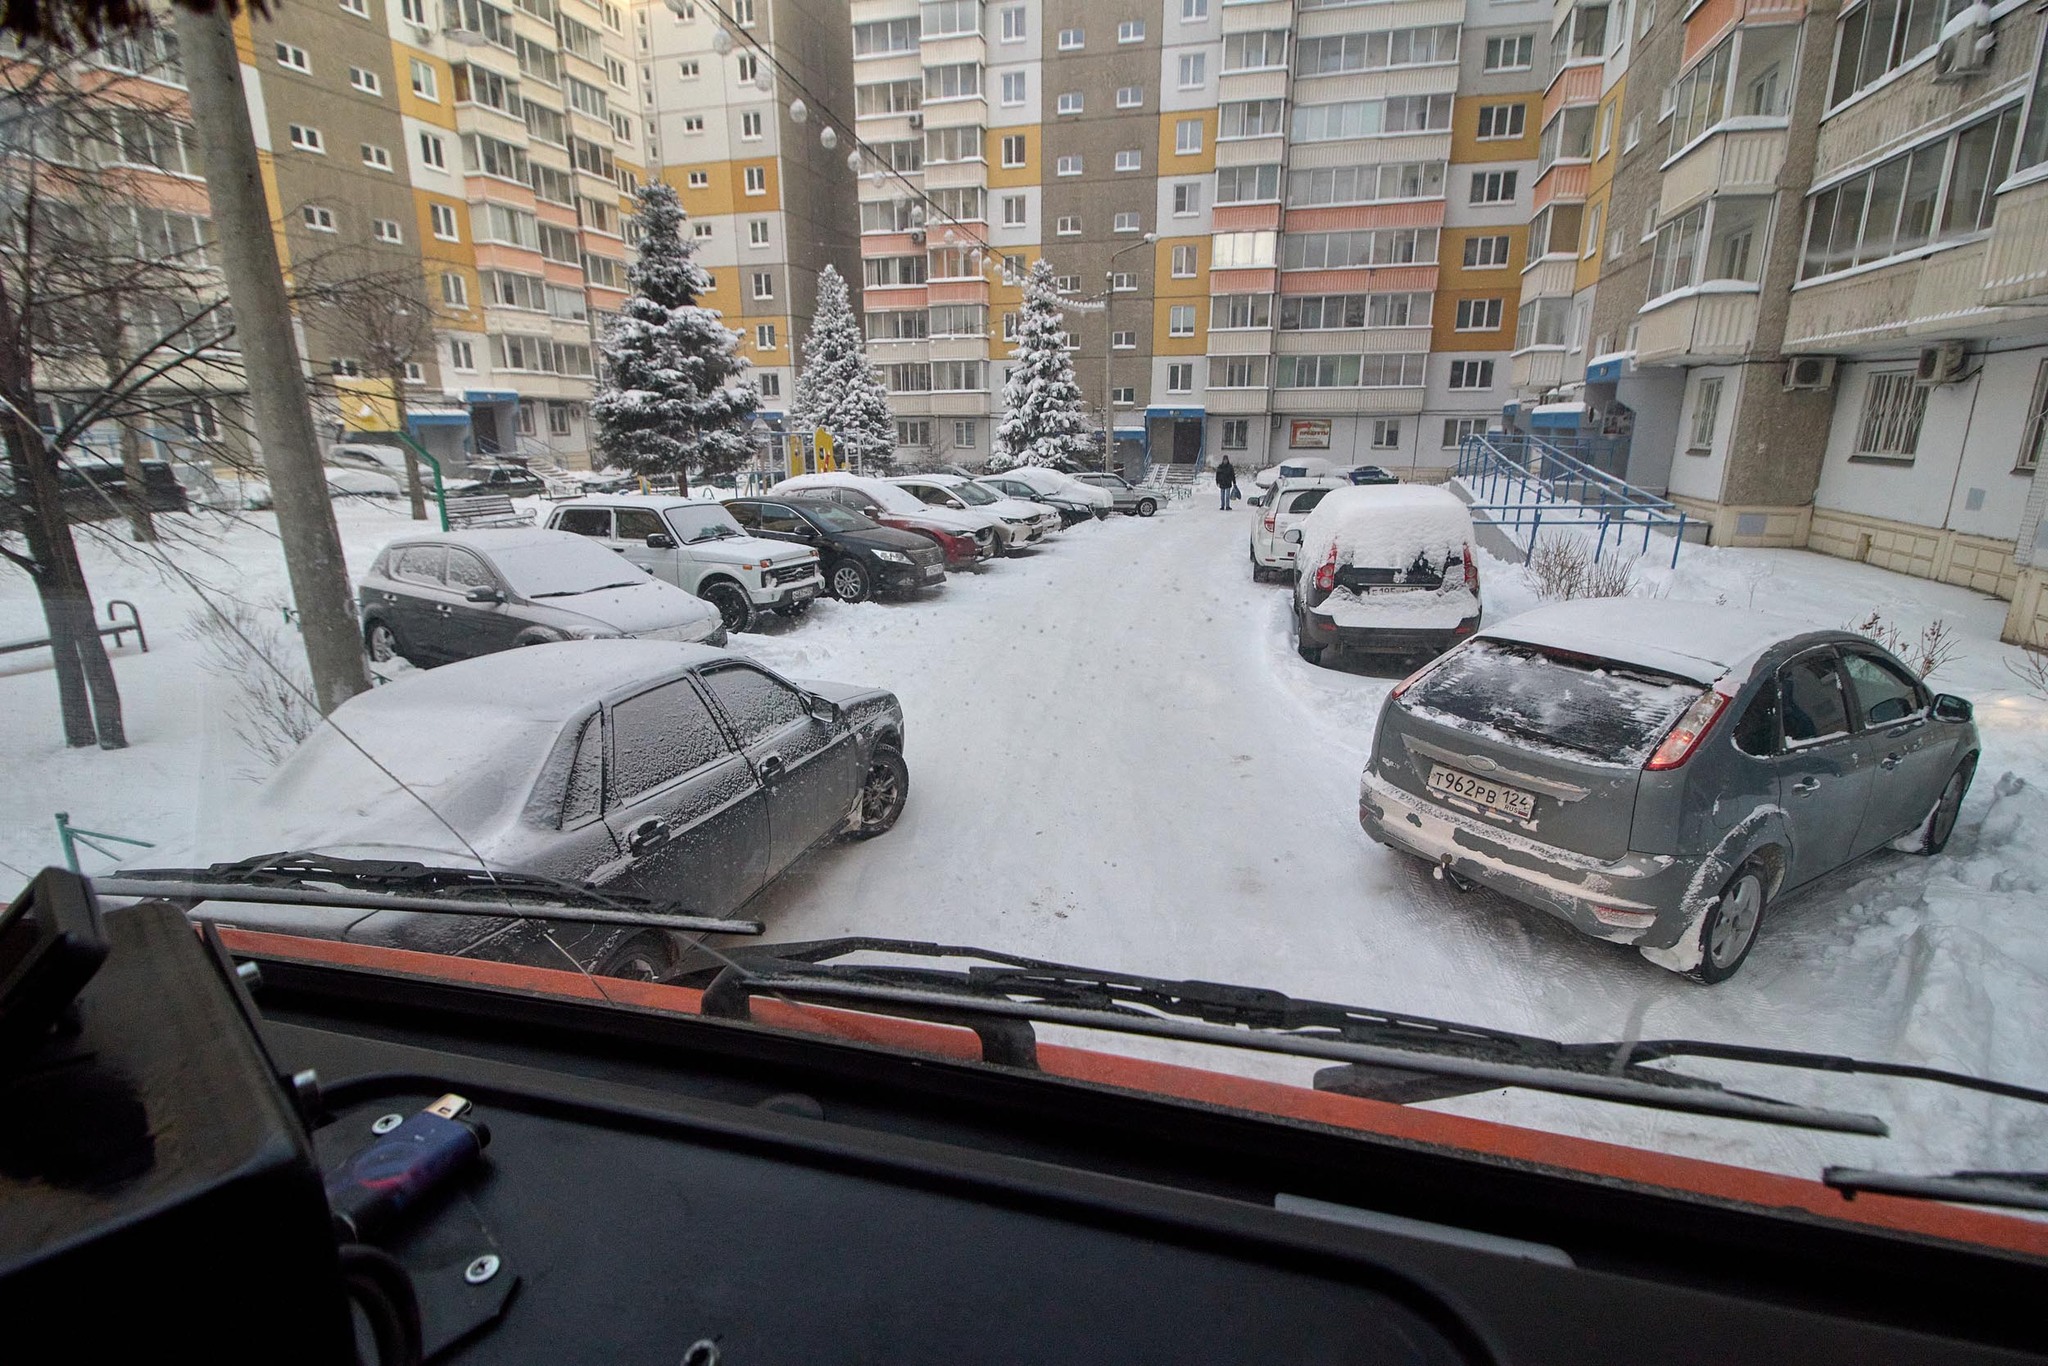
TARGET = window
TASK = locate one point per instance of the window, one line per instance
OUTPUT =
(1180, 320)
(700, 230)
(1125, 222)
(885, 35)
(750, 125)
(1194, 12)
(1344, 250)
(1362, 118)
(1187, 137)
(1180, 378)
(1884, 695)
(1246, 184)
(461, 355)
(1184, 264)
(1632, 134)
(1187, 199)
(2034, 137)
(1013, 150)
(2037, 424)
(1706, 410)
(952, 144)
(764, 337)
(1130, 161)
(1381, 50)
(1456, 429)
(883, 271)
(1502, 121)
(376, 157)
(1510, 53)
(295, 58)
(1013, 211)
(961, 80)
(743, 13)
(958, 320)
(454, 291)
(965, 433)
(1069, 103)
(757, 232)
(1013, 88)
(317, 218)
(693, 123)
(1067, 165)
(1014, 23)
(413, 11)
(1237, 372)
(1124, 395)
(443, 219)
(1333, 312)
(1473, 374)
(425, 83)
(1229, 250)
(1486, 252)
(958, 376)
(1810, 695)
(1122, 281)
(1493, 187)
(764, 284)
(433, 151)
(699, 180)
(1072, 40)
(1676, 263)
(1936, 192)
(1392, 371)
(1068, 225)
(386, 230)
(1607, 127)
(1131, 31)
(913, 431)
(1262, 119)
(1893, 406)
(659, 736)
(1130, 96)
(749, 68)
(756, 179)
(1477, 315)
(308, 139)
(359, 8)
(365, 81)
(1386, 433)
(1122, 340)
(1236, 433)
(1883, 36)
(1010, 323)
(1263, 50)
(689, 71)
(1194, 70)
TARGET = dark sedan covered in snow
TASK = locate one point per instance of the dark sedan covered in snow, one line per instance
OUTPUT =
(1658, 775)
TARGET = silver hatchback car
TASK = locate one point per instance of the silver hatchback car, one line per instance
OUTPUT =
(1658, 777)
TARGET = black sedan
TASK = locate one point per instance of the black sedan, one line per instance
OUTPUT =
(860, 556)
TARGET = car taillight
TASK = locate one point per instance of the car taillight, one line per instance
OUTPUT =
(1685, 737)
(1326, 576)
(1471, 573)
(1268, 522)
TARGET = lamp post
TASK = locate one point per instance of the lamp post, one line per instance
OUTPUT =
(1108, 349)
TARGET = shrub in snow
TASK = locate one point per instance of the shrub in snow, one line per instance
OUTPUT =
(247, 647)
(838, 389)
(1563, 568)
(1043, 419)
(670, 398)
(1935, 646)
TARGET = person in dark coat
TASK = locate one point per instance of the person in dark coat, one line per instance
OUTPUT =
(1226, 481)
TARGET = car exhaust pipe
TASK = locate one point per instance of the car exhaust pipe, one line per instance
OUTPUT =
(1458, 881)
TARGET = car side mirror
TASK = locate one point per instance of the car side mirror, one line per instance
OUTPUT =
(493, 595)
(1949, 707)
(1292, 535)
(822, 708)
(657, 540)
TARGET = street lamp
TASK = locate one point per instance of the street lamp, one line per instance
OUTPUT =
(1108, 350)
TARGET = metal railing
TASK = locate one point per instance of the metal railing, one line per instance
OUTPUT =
(1521, 483)
(71, 836)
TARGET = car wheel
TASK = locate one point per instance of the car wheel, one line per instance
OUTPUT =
(1729, 930)
(849, 581)
(1146, 507)
(647, 957)
(882, 793)
(734, 608)
(794, 609)
(1941, 821)
(382, 642)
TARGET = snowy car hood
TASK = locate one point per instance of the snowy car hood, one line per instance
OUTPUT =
(1007, 506)
(951, 519)
(649, 606)
(747, 550)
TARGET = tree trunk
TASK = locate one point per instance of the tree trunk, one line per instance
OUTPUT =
(141, 525)
(415, 489)
(277, 380)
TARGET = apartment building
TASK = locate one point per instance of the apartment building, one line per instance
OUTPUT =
(770, 204)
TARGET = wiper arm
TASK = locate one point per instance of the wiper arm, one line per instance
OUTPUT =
(400, 885)
(1387, 1056)
(2008, 1190)
(579, 592)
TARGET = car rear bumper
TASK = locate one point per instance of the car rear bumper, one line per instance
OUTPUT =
(1567, 885)
(1280, 557)
(1318, 629)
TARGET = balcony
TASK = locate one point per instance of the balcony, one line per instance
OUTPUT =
(1564, 183)
(1730, 160)
(1551, 277)
(1537, 370)
(2016, 265)
(1229, 401)
(1253, 18)
(1701, 325)
(1575, 85)
(1924, 297)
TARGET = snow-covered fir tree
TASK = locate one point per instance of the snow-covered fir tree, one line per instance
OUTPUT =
(671, 400)
(1044, 419)
(838, 389)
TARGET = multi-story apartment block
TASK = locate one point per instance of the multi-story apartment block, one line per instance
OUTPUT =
(769, 203)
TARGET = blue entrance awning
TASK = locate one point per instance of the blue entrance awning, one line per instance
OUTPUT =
(1556, 415)
(1176, 412)
(490, 396)
(439, 417)
(1605, 371)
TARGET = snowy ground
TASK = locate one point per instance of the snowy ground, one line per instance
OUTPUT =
(1119, 761)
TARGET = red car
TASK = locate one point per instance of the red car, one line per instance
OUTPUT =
(967, 538)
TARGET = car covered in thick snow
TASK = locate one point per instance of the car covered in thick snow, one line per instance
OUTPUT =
(1020, 523)
(696, 545)
(677, 772)
(1384, 570)
(967, 535)
(439, 596)
(1287, 506)
(1658, 774)
(1075, 501)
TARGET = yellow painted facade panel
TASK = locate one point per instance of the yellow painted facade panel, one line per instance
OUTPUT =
(1175, 162)
(441, 112)
(1466, 145)
(1001, 177)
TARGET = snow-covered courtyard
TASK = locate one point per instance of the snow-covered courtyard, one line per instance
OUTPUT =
(1118, 760)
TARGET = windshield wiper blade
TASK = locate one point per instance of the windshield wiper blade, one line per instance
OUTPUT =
(1381, 1054)
(579, 592)
(2007, 1190)
(402, 885)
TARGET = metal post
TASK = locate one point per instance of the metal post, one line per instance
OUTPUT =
(1535, 525)
(64, 838)
(440, 492)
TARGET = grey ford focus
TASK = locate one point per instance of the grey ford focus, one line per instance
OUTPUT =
(1658, 774)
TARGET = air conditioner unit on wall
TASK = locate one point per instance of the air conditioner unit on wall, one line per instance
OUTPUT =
(1966, 45)
(1942, 364)
(1809, 372)
(917, 120)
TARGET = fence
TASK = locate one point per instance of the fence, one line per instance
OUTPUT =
(1521, 483)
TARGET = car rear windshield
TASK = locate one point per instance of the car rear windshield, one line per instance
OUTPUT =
(1592, 710)
(1304, 502)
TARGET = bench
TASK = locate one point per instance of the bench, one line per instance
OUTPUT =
(115, 627)
(484, 509)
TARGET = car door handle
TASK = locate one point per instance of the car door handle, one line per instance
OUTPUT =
(771, 766)
(1890, 761)
(646, 836)
(1806, 786)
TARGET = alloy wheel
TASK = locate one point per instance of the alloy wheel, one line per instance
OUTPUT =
(1735, 921)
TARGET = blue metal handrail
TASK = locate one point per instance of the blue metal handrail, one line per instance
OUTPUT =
(71, 836)
(1518, 480)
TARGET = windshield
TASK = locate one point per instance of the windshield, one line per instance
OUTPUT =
(1150, 734)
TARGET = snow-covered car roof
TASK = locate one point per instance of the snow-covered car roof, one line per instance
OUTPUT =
(654, 501)
(1701, 641)
(1386, 526)
(889, 495)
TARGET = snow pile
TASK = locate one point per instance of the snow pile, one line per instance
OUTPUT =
(1388, 526)
(1700, 641)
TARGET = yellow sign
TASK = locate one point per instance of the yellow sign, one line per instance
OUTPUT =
(822, 443)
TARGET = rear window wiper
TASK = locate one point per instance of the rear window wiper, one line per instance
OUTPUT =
(1383, 1055)
(2008, 1190)
(302, 879)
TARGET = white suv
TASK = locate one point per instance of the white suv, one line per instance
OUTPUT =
(1287, 502)
(698, 547)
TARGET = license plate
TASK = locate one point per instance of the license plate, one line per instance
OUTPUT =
(932, 571)
(1509, 801)
(809, 590)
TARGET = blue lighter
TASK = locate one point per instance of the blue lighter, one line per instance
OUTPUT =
(395, 1170)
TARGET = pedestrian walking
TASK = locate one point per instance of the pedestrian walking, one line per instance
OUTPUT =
(1226, 482)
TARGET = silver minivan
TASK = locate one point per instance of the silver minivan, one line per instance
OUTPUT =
(1657, 774)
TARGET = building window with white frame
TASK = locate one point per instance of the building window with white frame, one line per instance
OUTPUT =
(1123, 339)
(1013, 150)
(1130, 96)
(425, 83)
(1893, 406)
(1072, 40)
(1456, 429)
(1194, 70)
(2037, 425)
(433, 151)
(1067, 225)
(1014, 215)
(756, 179)
(1472, 374)
(1124, 395)
(1194, 12)
(1067, 165)
(1706, 413)
(1125, 222)
(387, 230)
(698, 180)
(365, 81)
(461, 355)
(443, 219)
(1184, 262)
(1513, 52)
(1130, 161)
(1180, 378)
(454, 290)
(307, 139)
(1386, 433)
(375, 157)
(750, 125)
(1497, 121)
(757, 232)
(317, 218)
(1069, 103)
(966, 432)
(764, 284)
(1237, 432)
(1015, 24)
(294, 58)
(1180, 320)
(1478, 315)
(1493, 187)
(1013, 89)
(1187, 137)
(1187, 199)
(1486, 253)
(764, 337)
(1123, 281)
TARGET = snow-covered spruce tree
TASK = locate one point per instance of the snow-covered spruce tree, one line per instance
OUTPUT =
(838, 389)
(1043, 416)
(669, 401)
